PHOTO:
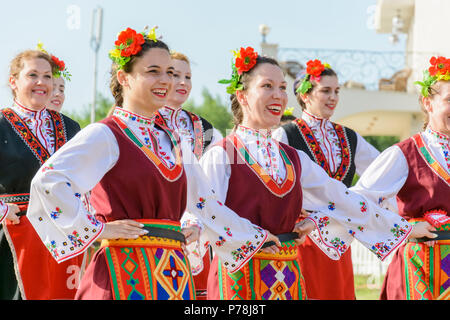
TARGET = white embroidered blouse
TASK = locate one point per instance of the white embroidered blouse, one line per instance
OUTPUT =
(39, 122)
(81, 163)
(328, 140)
(384, 178)
(180, 121)
(340, 215)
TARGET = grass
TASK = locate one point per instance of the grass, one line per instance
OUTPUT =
(366, 289)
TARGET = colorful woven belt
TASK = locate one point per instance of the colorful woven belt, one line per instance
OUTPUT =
(283, 237)
(160, 232)
(442, 229)
(20, 199)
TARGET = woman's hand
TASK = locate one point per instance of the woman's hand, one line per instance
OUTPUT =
(422, 229)
(122, 229)
(303, 228)
(13, 210)
(191, 233)
(274, 249)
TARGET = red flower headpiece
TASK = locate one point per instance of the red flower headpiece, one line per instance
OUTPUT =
(60, 65)
(314, 69)
(439, 66)
(129, 43)
(439, 70)
(244, 60)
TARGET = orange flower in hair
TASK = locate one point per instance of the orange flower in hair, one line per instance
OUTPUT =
(60, 64)
(129, 42)
(245, 59)
(439, 65)
(314, 68)
(439, 70)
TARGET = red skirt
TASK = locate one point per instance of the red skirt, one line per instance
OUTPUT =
(39, 276)
(326, 279)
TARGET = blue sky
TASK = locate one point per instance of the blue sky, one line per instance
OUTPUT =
(206, 31)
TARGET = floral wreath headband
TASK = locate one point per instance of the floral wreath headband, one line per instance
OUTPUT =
(243, 61)
(439, 70)
(129, 43)
(60, 70)
(314, 69)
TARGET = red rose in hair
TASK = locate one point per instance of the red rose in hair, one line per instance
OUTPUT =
(314, 68)
(246, 59)
(61, 65)
(439, 65)
(129, 42)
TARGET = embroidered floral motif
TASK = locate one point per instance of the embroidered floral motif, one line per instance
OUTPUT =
(228, 231)
(52, 248)
(339, 164)
(201, 203)
(277, 184)
(75, 239)
(339, 245)
(331, 206)
(41, 149)
(241, 253)
(171, 169)
(380, 248)
(47, 167)
(323, 222)
(55, 214)
(363, 205)
(221, 241)
(398, 231)
(92, 219)
(444, 143)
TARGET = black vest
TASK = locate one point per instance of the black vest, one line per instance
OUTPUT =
(296, 140)
(18, 163)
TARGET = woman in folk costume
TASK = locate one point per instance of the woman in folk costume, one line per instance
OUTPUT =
(416, 172)
(141, 185)
(341, 152)
(268, 182)
(197, 132)
(30, 133)
(58, 97)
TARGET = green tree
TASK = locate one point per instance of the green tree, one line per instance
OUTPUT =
(382, 142)
(213, 110)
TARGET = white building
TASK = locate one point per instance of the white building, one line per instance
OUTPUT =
(388, 107)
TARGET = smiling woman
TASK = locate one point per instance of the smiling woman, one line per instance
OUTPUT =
(143, 179)
(340, 152)
(29, 135)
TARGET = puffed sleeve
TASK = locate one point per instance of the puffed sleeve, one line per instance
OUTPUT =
(233, 238)
(341, 214)
(384, 178)
(56, 208)
(364, 155)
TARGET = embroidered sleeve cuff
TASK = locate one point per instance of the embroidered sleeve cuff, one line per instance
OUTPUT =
(77, 242)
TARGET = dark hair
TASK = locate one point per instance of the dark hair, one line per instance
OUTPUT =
(114, 85)
(297, 83)
(244, 80)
